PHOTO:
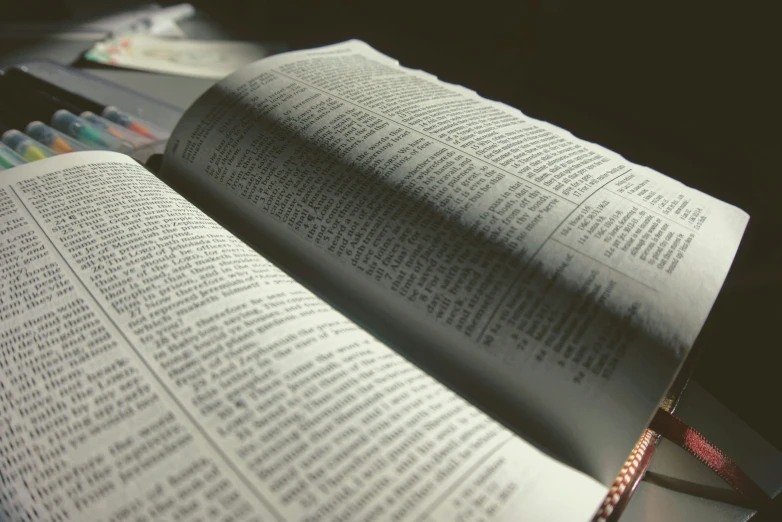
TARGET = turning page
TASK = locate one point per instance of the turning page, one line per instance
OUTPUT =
(551, 277)
(154, 367)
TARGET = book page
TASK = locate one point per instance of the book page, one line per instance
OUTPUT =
(551, 275)
(154, 367)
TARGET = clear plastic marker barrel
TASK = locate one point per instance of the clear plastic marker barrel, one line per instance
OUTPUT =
(87, 133)
(116, 130)
(133, 123)
(58, 141)
(9, 158)
(25, 146)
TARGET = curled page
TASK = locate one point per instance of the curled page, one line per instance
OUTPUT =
(561, 283)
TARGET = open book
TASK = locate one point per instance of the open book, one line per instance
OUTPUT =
(372, 296)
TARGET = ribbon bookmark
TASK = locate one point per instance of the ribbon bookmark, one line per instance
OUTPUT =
(699, 447)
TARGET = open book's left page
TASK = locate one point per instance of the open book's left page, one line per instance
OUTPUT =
(153, 367)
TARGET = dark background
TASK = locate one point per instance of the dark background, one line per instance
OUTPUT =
(687, 88)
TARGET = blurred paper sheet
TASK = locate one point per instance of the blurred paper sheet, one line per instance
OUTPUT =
(161, 22)
(202, 58)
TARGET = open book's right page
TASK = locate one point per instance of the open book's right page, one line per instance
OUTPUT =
(548, 277)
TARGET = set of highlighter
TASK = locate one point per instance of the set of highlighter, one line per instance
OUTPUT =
(39, 119)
